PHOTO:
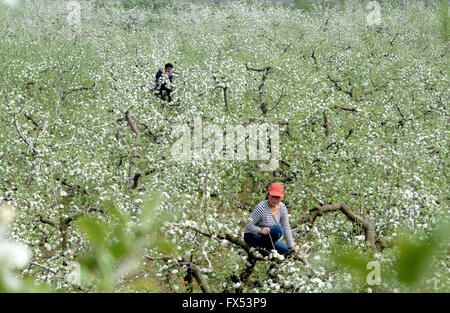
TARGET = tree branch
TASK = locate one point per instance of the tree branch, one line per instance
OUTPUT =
(196, 272)
(58, 276)
(266, 71)
(326, 124)
(353, 217)
(132, 178)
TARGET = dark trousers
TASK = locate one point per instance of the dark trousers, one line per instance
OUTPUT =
(263, 241)
(165, 92)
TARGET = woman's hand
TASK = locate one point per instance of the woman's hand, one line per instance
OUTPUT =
(296, 249)
(265, 231)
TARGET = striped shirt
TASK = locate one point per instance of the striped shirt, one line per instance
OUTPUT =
(262, 217)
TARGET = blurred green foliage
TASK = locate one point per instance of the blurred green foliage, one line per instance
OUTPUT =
(118, 247)
(23, 286)
(405, 267)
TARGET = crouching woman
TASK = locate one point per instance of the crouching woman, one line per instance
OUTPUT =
(269, 223)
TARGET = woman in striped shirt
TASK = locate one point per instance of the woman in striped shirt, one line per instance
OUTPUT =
(265, 230)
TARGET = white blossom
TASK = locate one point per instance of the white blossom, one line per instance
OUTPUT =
(13, 254)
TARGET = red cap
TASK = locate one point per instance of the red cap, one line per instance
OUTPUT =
(276, 190)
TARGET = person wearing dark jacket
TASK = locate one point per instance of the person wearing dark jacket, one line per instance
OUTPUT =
(163, 87)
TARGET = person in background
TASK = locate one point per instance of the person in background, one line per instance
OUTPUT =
(163, 82)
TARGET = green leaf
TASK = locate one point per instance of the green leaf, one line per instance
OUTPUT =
(416, 256)
(119, 249)
(145, 285)
(93, 230)
(149, 221)
(413, 260)
(114, 211)
(352, 261)
(88, 262)
(164, 245)
(148, 209)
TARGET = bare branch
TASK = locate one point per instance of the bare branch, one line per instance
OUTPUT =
(58, 276)
(25, 139)
(66, 92)
(315, 198)
(133, 178)
(28, 117)
(224, 88)
(326, 124)
(196, 272)
(266, 71)
(79, 188)
(339, 87)
(132, 124)
(341, 206)
(48, 221)
(345, 109)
